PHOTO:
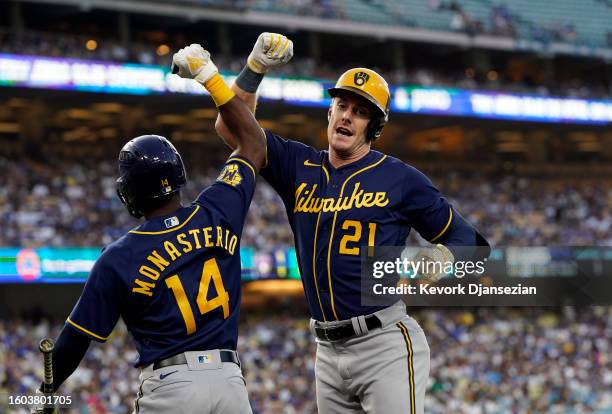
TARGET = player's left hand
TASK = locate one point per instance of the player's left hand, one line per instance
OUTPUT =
(193, 62)
(271, 50)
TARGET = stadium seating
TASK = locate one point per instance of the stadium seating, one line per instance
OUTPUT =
(483, 360)
(568, 21)
(521, 211)
(591, 18)
(591, 21)
(570, 84)
(494, 360)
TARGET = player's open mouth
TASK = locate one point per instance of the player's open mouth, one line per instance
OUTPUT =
(344, 131)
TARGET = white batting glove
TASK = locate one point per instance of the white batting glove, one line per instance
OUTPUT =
(271, 50)
(439, 255)
(193, 62)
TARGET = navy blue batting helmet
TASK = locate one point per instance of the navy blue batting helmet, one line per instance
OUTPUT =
(150, 169)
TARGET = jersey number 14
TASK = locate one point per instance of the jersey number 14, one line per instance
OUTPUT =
(210, 271)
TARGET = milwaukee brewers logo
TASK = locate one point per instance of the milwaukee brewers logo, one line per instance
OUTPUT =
(230, 175)
(360, 78)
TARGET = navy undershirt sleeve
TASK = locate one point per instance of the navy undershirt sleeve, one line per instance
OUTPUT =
(70, 347)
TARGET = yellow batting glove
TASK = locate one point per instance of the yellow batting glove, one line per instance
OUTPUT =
(271, 50)
(193, 62)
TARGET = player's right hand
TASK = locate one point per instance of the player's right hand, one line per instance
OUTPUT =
(193, 62)
(271, 50)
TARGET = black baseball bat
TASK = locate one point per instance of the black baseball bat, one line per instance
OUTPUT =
(46, 347)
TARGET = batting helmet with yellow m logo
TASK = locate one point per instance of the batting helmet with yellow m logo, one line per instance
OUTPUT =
(371, 86)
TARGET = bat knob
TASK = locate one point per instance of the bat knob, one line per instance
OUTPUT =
(46, 345)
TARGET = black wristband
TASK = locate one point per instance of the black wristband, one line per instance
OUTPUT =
(248, 80)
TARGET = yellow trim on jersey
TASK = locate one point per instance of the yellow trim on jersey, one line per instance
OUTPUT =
(331, 238)
(314, 266)
(245, 163)
(314, 254)
(169, 230)
(325, 171)
(79, 327)
(266, 142)
(410, 364)
(450, 218)
(307, 163)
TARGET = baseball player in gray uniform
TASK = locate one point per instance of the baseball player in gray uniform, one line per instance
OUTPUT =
(370, 359)
(175, 279)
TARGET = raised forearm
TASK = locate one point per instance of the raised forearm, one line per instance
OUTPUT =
(193, 62)
(240, 124)
(250, 99)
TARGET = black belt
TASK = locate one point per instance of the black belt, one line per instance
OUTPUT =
(226, 356)
(337, 333)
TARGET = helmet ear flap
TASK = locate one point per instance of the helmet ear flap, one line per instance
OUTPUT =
(375, 128)
(127, 201)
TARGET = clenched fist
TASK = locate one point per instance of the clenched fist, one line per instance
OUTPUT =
(270, 50)
(193, 62)
(434, 261)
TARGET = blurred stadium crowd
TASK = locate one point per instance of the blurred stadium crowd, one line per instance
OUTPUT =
(535, 81)
(498, 360)
(484, 361)
(518, 19)
(73, 203)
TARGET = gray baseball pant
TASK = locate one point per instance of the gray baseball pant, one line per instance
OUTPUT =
(384, 371)
(193, 388)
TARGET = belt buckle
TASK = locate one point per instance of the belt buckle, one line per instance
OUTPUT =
(324, 333)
